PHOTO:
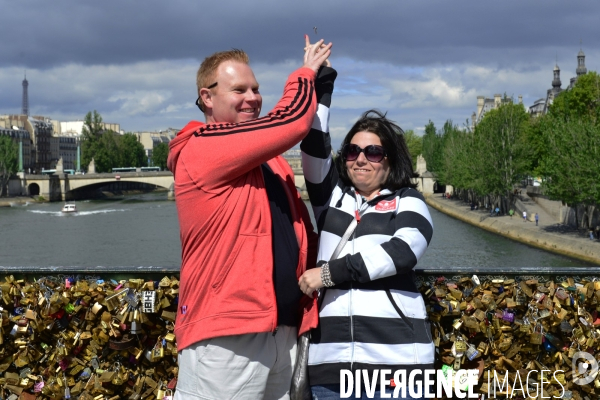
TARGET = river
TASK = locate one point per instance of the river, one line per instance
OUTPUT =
(142, 230)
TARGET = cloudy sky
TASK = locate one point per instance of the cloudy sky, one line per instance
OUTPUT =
(135, 61)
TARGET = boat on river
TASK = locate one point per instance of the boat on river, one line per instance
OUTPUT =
(69, 208)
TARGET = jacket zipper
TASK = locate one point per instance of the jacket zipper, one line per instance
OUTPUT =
(358, 213)
(351, 331)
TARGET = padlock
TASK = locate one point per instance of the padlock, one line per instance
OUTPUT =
(536, 337)
(508, 316)
(590, 342)
(460, 347)
(437, 338)
(158, 352)
(544, 314)
(96, 308)
(168, 395)
(526, 327)
(457, 323)
(170, 337)
(482, 347)
(520, 299)
(479, 314)
(471, 352)
(457, 363)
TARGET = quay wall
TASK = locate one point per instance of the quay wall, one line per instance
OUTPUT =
(557, 243)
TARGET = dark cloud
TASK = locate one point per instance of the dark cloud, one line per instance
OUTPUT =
(44, 34)
(135, 62)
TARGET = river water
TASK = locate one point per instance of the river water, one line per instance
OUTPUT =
(142, 230)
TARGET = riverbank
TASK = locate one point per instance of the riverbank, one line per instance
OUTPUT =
(545, 236)
(12, 201)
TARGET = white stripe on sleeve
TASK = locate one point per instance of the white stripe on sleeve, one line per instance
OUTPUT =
(378, 262)
(321, 121)
(416, 205)
(414, 238)
(315, 169)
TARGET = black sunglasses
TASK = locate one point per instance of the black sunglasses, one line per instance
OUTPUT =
(373, 152)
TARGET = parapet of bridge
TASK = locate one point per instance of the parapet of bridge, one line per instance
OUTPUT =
(59, 187)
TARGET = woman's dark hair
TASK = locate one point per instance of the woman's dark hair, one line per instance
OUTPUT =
(392, 140)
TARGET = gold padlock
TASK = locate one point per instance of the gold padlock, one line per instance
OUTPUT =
(535, 337)
(590, 342)
(158, 352)
(457, 323)
(170, 337)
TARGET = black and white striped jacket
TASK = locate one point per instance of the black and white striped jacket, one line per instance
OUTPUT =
(374, 317)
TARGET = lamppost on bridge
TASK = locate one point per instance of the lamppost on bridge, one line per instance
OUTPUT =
(78, 141)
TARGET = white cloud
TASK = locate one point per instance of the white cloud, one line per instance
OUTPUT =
(140, 102)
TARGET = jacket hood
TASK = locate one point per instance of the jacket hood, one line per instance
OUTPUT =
(177, 144)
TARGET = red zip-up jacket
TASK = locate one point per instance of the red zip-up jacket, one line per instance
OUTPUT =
(226, 279)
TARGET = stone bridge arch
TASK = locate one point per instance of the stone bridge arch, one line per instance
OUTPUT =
(33, 189)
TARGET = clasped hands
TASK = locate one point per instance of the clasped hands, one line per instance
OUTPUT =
(316, 55)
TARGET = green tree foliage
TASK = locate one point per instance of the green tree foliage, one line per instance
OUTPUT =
(537, 146)
(131, 151)
(486, 161)
(414, 144)
(109, 149)
(571, 170)
(433, 149)
(459, 159)
(90, 135)
(581, 101)
(107, 154)
(563, 147)
(160, 153)
(569, 139)
(500, 142)
(9, 158)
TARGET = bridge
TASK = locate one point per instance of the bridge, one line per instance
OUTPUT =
(62, 187)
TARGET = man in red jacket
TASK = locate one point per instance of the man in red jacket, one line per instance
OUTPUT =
(246, 236)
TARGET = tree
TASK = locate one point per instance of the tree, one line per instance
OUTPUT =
(579, 102)
(571, 171)
(131, 151)
(433, 148)
(8, 160)
(160, 153)
(414, 144)
(501, 141)
(107, 154)
(461, 162)
(90, 136)
(567, 140)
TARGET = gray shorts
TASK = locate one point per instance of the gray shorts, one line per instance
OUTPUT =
(252, 366)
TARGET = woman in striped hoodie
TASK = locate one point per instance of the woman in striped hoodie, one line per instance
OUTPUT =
(372, 317)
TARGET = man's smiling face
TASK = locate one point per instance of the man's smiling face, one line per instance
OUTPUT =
(236, 97)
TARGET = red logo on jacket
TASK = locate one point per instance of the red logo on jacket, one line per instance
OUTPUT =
(386, 205)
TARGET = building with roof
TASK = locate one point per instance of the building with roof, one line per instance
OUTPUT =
(486, 104)
(23, 139)
(541, 106)
(40, 131)
(75, 128)
(152, 139)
